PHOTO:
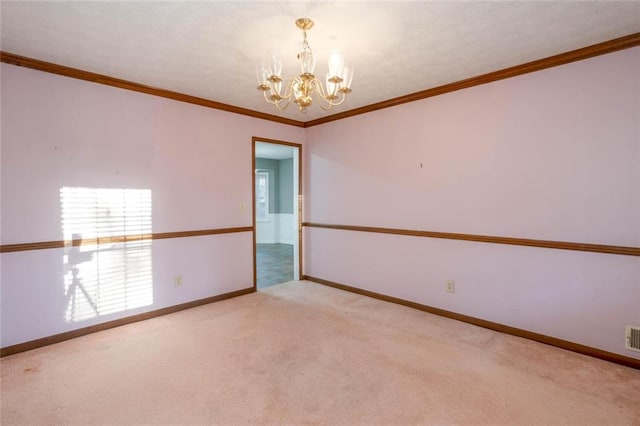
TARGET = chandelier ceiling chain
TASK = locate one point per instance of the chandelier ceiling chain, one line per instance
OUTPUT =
(301, 88)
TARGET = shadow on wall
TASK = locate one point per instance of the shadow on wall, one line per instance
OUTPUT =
(107, 265)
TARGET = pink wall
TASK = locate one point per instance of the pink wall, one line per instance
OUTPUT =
(549, 155)
(196, 161)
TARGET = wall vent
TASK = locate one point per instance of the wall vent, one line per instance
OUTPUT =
(632, 337)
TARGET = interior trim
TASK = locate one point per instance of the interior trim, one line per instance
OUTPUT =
(626, 42)
(560, 245)
(61, 337)
(610, 46)
(255, 139)
(253, 214)
(7, 248)
(23, 61)
(541, 338)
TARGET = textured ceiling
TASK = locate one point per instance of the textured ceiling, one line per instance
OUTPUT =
(210, 49)
(274, 152)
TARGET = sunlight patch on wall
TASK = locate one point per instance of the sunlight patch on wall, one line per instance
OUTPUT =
(105, 273)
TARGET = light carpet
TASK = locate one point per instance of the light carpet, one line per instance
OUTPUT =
(303, 353)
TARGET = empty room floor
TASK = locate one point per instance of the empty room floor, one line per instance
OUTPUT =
(274, 264)
(303, 353)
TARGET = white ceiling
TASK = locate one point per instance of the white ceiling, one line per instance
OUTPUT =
(210, 49)
(273, 151)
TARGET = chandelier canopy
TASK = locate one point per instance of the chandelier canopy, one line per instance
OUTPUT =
(302, 87)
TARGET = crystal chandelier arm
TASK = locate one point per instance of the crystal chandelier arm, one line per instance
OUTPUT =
(276, 98)
(319, 86)
(288, 90)
(282, 106)
(331, 102)
(328, 98)
(323, 94)
(283, 102)
(266, 98)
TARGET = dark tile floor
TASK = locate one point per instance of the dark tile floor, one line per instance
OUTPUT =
(274, 263)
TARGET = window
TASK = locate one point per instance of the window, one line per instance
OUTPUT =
(262, 196)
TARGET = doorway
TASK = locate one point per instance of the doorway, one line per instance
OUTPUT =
(277, 232)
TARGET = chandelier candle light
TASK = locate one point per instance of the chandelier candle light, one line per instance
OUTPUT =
(300, 89)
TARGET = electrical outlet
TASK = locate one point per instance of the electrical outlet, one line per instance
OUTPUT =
(450, 286)
(177, 281)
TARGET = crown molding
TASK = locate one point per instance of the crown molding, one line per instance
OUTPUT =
(36, 64)
(610, 46)
(626, 42)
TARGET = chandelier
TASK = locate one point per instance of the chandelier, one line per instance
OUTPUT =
(302, 87)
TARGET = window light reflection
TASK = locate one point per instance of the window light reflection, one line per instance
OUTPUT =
(104, 274)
